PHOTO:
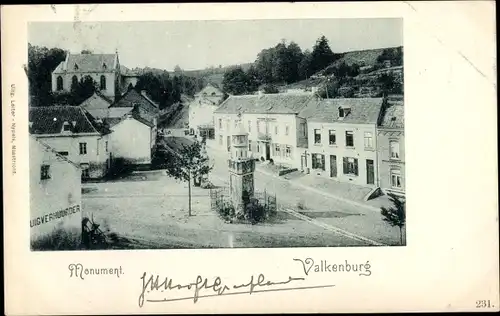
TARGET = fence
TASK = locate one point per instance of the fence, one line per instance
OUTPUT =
(220, 197)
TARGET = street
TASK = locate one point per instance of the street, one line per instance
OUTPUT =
(331, 211)
(153, 207)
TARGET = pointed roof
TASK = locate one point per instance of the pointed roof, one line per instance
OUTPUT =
(52, 150)
(83, 63)
(50, 120)
(132, 97)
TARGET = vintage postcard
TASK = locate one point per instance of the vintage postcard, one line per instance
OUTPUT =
(250, 158)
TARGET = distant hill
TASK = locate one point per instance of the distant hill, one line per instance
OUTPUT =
(366, 57)
(363, 58)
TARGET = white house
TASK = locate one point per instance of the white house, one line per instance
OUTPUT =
(343, 140)
(74, 134)
(55, 191)
(201, 111)
(275, 128)
(133, 138)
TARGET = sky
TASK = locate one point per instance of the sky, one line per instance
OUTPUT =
(200, 44)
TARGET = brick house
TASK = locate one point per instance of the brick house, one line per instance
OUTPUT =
(391, 147)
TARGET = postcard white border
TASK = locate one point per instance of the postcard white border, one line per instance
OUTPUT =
(451, 259)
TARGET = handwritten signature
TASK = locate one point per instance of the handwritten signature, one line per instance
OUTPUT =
(218, 288)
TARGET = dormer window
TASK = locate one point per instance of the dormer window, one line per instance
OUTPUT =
(343, 112)
(104, 66)
(66, 127)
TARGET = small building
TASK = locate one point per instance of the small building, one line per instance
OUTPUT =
(55, 191)
(342, 139)
(391, 147)
(97, 105)
(133, 138)
(275, 129)
(75, 134)
(201, 111)
(140, 100)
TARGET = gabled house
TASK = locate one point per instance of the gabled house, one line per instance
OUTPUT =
(275, 129)
(97, 105)
(133, 138)
(54, 190)
(343, 140)
(139, 100)
(391, 146)
(103, 68)
(201, 111)
(75, 134)
(111, 78)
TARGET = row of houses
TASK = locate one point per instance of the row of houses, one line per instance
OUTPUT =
(109, 125)
(354, 140)
(96, 133)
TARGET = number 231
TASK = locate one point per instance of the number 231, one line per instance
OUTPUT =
(483, 304)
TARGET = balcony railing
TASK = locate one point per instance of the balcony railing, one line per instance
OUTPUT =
(243, 166)
(264, 137)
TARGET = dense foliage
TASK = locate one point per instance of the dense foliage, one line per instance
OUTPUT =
(161, 86)
(41, 62)
(281, 64)
(396, 215)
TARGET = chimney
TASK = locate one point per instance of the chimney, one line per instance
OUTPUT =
(261, 93)
(314, 89)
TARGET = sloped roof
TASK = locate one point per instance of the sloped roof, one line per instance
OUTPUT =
(88, 104)
(394, 116)
(279, 103)
(53, 151)
(88, 63)
(50, 120)
(133, 97)
(109, 112)
(112, 121)
(363, 110)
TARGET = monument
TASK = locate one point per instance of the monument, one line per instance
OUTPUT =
(241, 169)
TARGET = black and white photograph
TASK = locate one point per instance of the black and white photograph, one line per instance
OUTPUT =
(216, 134)
(228, 158)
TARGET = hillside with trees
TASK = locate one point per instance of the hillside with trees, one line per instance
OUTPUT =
(348, 74)
(370, 72)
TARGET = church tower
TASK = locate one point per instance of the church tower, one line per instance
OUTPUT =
(241, 169)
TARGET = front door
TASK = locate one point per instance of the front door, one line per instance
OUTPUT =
(333, 166)
(370, 172)
(268, 151)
